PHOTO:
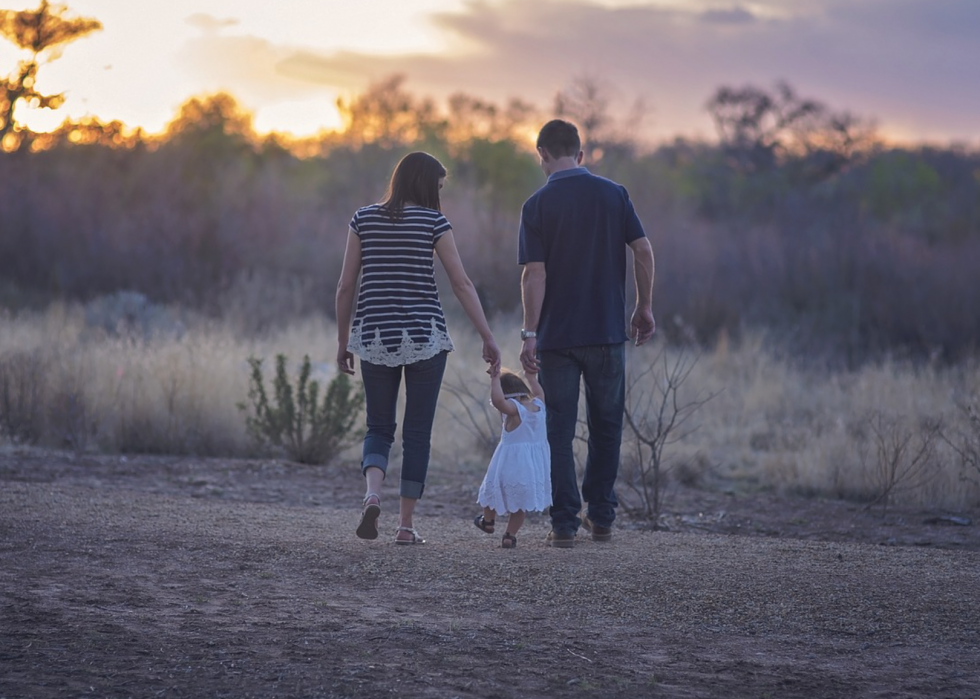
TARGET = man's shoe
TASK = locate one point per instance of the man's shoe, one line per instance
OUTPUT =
(601, 533)
(560, 540)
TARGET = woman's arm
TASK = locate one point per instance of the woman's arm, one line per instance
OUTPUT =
(346, 287)
(466, 293)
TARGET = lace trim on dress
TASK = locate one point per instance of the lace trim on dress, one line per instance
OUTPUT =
(408, 352)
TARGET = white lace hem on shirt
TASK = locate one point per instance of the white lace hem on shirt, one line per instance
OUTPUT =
(408, 352)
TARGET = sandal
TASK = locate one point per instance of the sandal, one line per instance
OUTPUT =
(509, 541)
(484, 524)
(368, 526)
(416, 539)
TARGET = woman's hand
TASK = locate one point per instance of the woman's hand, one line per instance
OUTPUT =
(345, 360)
(491, 355)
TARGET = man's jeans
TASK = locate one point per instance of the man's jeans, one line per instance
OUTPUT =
(423, 380)
(603, 368)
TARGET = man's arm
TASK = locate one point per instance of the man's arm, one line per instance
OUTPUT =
(532, 295)
(642, 325)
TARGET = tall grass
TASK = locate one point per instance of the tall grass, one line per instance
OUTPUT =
(773, 422)
(161, 391)
(784, 425)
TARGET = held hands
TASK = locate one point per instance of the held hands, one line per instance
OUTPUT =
(642, 326)
(529, 356)
(491, 355)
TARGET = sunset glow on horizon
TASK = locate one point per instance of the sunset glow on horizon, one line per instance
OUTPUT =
(145, 63)
(904, 66)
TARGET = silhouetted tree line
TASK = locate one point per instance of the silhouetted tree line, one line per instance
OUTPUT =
(797, 220)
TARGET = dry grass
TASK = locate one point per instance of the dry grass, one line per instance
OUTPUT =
(772, 425)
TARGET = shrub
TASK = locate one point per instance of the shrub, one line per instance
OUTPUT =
(132, 315)
(70, 416)
(21, 396)
(307, 430)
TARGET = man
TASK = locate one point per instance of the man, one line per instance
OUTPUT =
(573, 240)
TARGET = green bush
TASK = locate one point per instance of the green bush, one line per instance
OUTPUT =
(298, 423)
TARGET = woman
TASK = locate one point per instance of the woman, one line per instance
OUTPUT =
(398, 327)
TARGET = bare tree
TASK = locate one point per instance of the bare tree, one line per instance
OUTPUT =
(966, 443)
(389, 116)
(472, 118)
(658, 417)
(758, 127)
(904, 457)
(42, 33)
(477, 416)
(588, 102)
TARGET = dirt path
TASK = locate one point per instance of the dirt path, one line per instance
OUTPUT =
(180, 578)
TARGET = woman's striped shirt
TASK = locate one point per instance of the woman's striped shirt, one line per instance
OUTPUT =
(399, 318)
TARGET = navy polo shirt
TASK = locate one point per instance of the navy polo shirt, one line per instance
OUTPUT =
(579, 224)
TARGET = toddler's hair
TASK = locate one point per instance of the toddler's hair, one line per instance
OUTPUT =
(511, 383)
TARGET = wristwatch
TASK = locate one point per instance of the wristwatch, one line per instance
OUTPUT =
(525, 334)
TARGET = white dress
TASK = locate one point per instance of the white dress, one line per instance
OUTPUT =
(519, 474)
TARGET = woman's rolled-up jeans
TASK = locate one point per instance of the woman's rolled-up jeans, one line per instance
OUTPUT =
(423, 380)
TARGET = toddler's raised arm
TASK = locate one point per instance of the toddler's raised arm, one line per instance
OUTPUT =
(497, 397)
(532, 382)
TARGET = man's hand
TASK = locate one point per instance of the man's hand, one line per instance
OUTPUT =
(529, 355)
(642, 326)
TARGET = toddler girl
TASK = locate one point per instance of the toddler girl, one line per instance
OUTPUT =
(518, 478)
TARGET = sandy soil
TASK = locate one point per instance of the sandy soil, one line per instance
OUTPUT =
(144, 577)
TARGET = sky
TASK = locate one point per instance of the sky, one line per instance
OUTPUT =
(912, 66)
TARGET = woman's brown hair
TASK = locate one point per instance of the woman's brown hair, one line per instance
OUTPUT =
(415, 180)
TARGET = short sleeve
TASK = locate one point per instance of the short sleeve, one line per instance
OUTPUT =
(440, 227)
(355, 223)
(634, 229)
(530, 247)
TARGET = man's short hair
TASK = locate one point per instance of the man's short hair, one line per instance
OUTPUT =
(560, 138)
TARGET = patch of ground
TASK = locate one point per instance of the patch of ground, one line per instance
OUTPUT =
(144, 576)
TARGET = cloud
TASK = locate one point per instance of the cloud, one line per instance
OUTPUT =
(909, 63)
(208, 23)
(344, 69)
(734, 15)
(251, 68)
